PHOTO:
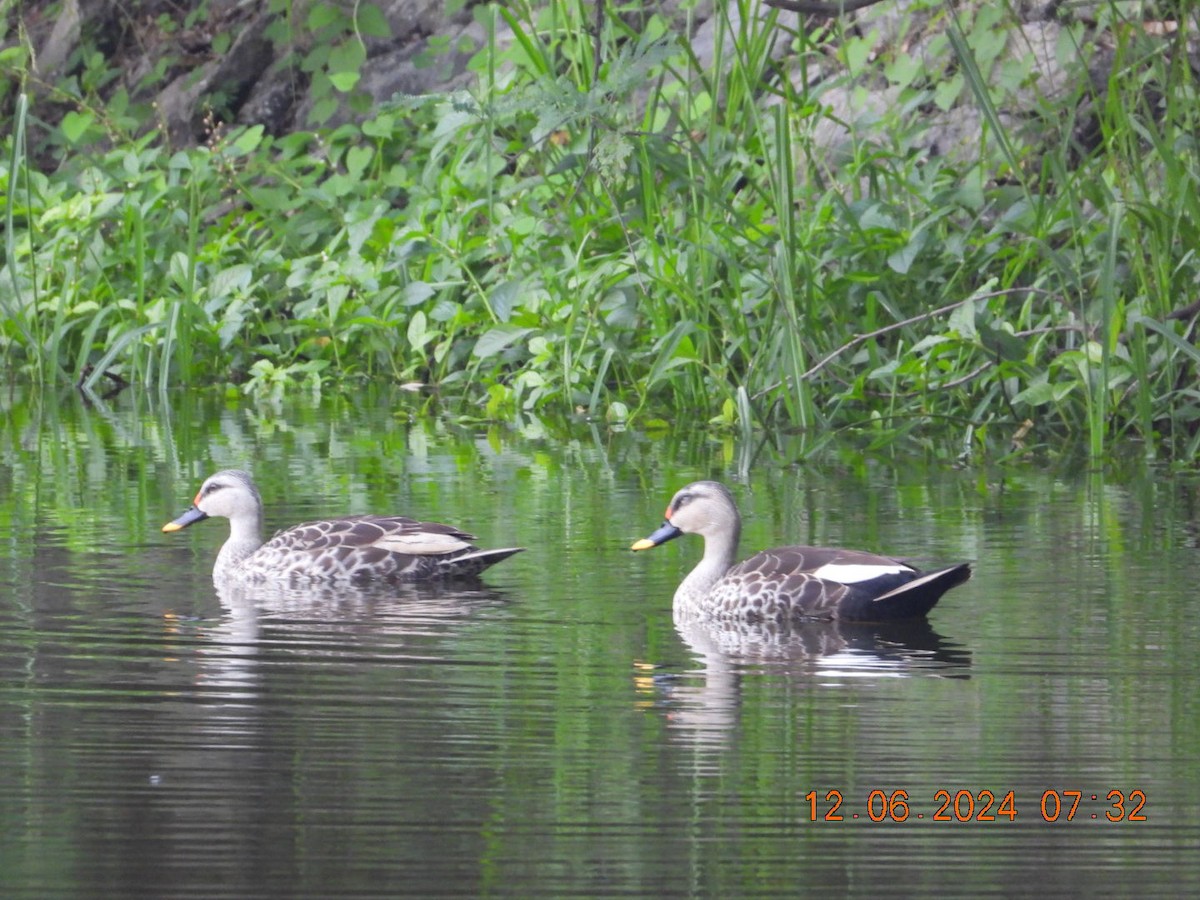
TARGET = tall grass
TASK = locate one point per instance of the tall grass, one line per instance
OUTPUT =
(18, 297)
(604, 225)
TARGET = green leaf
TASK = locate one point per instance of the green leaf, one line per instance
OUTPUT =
(416, 293)
(344, 81)
(858, 52)
(233, 279)
(379, 127)
(418, 336)
(927, 343)
(178, 269)
(962, 320)
(248, 140)
(334, 298)
(272, 198)
(357, 159)
(370, 22)
(347, 57)
(948, 91)
(904, 69)
(496, 339)
(1043, 392)
(1167, 330)
(503, 298)
(1003, 343)
(322, 110)
(322, 14)
(901, 260)
(75, 125)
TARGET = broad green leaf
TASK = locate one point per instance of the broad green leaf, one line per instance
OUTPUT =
(357, 160)
(857, 52)
(904, 69)
(418, 336)
(901, 260)
(415, 293)
(75, 124)
(249, 139)
(347, 56)
(962, 320)
(503, 298)
(230, 280)
(334, 298)
(948, 91)
(271, 198)
(322, 110)
(929, 342)
(322, 14)
(379, 127)
(498, 338)
(1044, 392)
(344, 81)
(370, 22)
(1003, 343)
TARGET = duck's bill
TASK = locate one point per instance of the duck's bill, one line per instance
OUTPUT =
(667, 532)
(189, 517)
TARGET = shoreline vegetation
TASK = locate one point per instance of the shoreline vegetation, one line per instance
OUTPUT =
(600, 224)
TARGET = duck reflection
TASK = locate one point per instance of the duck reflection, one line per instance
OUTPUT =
(271, 622)
(703, 705)
(870, 648)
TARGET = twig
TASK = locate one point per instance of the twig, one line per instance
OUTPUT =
(1049, 329)
(965, 378)
(860, 338)
(815, 8)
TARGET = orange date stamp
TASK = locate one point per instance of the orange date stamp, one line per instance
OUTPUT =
(983, 805)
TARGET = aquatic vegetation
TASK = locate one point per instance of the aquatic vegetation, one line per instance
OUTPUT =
(602, 225)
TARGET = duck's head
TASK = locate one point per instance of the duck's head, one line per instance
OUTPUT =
(706, 508)
(230, 493)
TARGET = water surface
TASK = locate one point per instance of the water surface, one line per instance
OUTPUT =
(550, 731)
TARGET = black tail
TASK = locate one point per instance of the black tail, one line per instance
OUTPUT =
(472, 563)
(912, 599)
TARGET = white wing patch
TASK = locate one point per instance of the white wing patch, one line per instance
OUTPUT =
(422, 544)
(846, 573)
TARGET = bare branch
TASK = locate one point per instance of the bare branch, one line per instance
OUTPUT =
(946, 385)
(816, 8)
(860, 338)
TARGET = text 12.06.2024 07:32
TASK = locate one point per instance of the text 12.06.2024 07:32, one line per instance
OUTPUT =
(981, 806)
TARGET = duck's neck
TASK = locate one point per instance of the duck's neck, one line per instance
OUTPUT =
(720, 551)
(245, 536)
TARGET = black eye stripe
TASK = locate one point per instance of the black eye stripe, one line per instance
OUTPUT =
(681, 501)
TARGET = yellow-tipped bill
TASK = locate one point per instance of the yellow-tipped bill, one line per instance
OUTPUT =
(666, 533)
(190, 516)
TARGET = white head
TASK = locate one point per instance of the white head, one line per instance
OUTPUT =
(230, 493)
(706, 508)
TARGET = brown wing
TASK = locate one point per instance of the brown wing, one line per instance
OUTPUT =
(771, 587)
(782, 584)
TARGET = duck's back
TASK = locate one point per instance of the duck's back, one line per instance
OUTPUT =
(795, 583)
(358, 549)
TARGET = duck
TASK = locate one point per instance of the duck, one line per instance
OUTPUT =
(351, 549)
(788, 584)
